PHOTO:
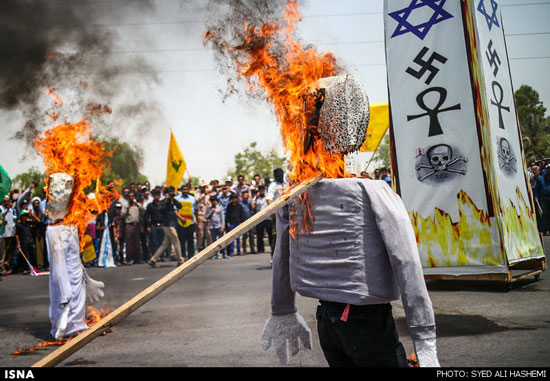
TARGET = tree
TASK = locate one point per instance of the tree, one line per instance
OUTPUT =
(534, 125)
(125, 163)
(383, 152)
(23, 180)
(251, 161)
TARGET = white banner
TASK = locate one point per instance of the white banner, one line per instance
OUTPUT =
(434, 126)
(433, 116)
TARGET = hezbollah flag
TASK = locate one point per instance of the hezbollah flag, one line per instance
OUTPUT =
(176, 163)
(5, 183)
(378, 125)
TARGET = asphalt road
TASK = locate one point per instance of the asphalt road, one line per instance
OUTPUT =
(214, 316)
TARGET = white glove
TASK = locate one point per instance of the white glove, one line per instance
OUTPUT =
(283, 328)
(93, 289)
(426, 353)
(62, 323)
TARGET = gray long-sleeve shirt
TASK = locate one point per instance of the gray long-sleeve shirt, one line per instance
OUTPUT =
(361, 250)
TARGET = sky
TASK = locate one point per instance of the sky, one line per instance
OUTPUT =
(171, 80)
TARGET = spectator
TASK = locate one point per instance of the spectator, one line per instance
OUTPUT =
(256, 182)
(23, 199)
(273, 193)
(216, 219)
(131, 214)
(267, 183)
(534, 173)
(124, 196)
(542, 196)
(100, 231)
(202, 226)
(91, 231)
(154, 221)
(234, 215)
(186, 223)
(168, 210)
(117, 232)
(249, 235)
(7, 234)
(266, 226)
(275, 187)
(25, 243)
(146, 196)
(39, 233)
(229, 182)
(377, 174)
(241, 187)
(223, 197)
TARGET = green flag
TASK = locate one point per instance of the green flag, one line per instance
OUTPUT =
(5, 183)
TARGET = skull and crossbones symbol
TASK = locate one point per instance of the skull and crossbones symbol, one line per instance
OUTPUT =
(507, 159)
(440, 159)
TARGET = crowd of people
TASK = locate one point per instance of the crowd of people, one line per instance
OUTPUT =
(151, 224)
(147, 224)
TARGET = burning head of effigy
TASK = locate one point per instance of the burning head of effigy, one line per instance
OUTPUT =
(60, 189)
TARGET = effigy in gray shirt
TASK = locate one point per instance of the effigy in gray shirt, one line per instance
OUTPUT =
(361, 250)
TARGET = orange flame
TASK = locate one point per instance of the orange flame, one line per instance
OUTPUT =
(271, 60)
(92, 317)
(68, 148)
(42, 344)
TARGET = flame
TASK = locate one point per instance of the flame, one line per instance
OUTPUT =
(42, 344)
(520, 232)
(475, 239)
(92, 317)
(469, 241)
(269, 59)
(68, 148)
(413, 362)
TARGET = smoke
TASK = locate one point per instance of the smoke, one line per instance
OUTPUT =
(226, 34)
(65, 48)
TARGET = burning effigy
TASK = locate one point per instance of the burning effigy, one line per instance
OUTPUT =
(347, 241)
(73, 162)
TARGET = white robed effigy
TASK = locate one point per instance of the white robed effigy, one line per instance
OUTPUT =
(67, 279)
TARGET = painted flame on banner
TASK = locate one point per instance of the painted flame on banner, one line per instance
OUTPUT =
(474, 239)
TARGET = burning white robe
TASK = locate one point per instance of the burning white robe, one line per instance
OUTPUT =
(67, 279)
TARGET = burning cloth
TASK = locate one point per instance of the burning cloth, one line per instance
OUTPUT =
(67, 281)
(352, 246)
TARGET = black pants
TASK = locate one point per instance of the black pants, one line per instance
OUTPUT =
(186, 237)
(368, 338)
(264, 226)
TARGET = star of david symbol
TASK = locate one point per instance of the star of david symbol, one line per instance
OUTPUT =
(422, 29)
(491, 18)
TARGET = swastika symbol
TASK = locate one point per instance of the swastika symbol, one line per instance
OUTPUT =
(492, 56)
(426, 65)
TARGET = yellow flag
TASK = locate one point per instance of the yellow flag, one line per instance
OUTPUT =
(378, 125)
(175, 167)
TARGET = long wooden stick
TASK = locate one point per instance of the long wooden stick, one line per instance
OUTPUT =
(162, 284)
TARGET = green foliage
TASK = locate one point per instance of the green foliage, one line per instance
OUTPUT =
(383, 152)
(125, 163)
(534, 125)
(23, 180)
(251, 161)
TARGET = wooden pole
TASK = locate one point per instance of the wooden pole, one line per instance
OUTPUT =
(162, 284)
